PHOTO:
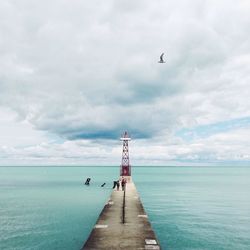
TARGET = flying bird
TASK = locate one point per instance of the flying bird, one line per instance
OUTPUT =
(161, 58)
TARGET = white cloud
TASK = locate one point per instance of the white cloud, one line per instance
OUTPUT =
(86, 71)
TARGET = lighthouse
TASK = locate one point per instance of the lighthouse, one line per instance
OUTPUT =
(125, 166)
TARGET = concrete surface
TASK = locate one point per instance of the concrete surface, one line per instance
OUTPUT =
(110, 233)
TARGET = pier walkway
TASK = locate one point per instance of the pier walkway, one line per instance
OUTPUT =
(111, 233)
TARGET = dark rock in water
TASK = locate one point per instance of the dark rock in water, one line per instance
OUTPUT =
(87, 181)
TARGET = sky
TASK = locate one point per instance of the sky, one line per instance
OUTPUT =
(76, 74)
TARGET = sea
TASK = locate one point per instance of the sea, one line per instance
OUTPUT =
(205, 208)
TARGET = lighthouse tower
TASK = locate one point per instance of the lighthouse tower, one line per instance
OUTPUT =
(125, 166)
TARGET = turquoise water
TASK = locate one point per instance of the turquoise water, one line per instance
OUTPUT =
(50, 208)
(197, 207)
(189, 207)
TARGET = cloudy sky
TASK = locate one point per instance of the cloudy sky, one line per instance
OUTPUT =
(75, 74)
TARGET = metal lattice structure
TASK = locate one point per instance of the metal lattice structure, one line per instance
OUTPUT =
(125, 166)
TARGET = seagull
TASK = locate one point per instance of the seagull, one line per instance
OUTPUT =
(161, 58)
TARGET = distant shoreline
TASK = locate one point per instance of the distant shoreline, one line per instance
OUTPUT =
(115, 166)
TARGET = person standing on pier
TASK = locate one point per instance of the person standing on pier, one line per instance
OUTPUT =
(123, 184)
(118, 185)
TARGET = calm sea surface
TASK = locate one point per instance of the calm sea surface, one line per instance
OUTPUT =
(189, 207)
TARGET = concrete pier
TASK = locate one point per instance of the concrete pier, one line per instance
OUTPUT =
(111, 233)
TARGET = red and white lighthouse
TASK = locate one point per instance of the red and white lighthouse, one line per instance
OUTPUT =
(125, 166)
